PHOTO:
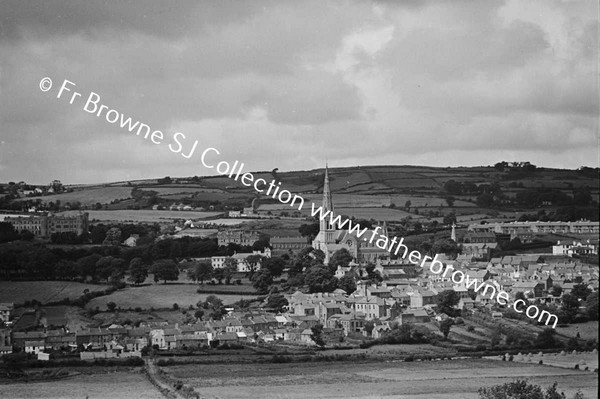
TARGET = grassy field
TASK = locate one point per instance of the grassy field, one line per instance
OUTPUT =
(432, 379)
(43, 291)
(148, 216)
(159, 296)
(120, 384)
(565, 360)
(374, 213)
(89, 196)
(587, 330)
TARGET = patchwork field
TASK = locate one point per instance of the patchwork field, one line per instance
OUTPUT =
(43, 291)
(432, 379)
(120, 384)
(159, 296)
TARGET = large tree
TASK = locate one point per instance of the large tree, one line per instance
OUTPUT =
(138, 271)
(113, 236)
(341, 257)
(445, 326)
(570, 306)
(262, 280)
(165, 269)
(320, 279)
(446, 301)
(347, 284)
(200, 271)
(581, 291)
(253, 262)
(277, 303)
(275, 265)
(229, 267)
(309, 231)
(317, 335)
(592, 305)
(214, 305)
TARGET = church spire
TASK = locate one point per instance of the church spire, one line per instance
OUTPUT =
(327, 205)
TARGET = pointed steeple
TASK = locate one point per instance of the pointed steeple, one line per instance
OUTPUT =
(453, 234)
(327, 202)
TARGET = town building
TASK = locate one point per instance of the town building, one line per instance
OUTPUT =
(516, 228)
(44, 226)
(243, 266)
(290, 245)
(6, 310)
(574, 247)
(239, 237)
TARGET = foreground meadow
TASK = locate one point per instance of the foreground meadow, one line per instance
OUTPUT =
(432, 379)
(120, 384)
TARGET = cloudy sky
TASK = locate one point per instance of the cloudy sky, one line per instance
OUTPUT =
(293, 84)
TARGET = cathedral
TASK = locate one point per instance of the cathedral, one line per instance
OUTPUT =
(330, 239)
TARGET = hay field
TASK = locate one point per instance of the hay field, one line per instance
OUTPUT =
(430, 379)
(120, 384)
(566, 360)
(159, 296)
(43, 291)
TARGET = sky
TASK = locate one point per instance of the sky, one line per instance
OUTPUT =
(295, 84)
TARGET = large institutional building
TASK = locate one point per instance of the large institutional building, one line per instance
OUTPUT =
(46, 225)
(240, 237)
(330, 240)
(578, 227)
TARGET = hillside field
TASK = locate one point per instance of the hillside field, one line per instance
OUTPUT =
(44, 291)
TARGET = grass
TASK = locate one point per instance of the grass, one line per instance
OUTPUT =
(159, 296)
(587, 330)
(120, 384)
(43, 291)
(374, 213)
(89, 196)
(566, 360)
(431, 379)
